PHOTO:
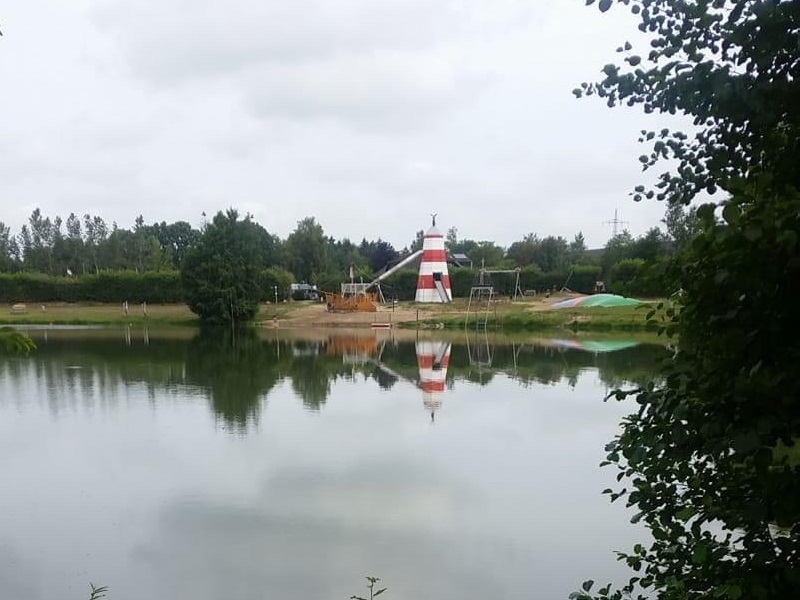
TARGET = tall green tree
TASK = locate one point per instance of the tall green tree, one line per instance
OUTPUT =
(95, 234)
(682, 224)
(651, 246)
(343, 253)
(306, 250)
(416, 244)
(710, 459)
(177, 239)
(73, 247)
(487, 253)
(378, 254)
(577, 248)
(9, 250)
(619, 247)
(552, 254)
(522, 253)
(220, 275)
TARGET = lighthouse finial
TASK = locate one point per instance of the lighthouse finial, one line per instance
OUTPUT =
(433, 217)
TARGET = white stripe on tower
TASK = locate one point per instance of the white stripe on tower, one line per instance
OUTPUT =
(433, 282)
(432, 361)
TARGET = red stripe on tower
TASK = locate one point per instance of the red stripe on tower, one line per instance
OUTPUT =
(432, 386)
(426, 282)
(432, 361)
(434, 256)
(433, 283)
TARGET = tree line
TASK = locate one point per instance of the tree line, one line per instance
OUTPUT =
(78, 246)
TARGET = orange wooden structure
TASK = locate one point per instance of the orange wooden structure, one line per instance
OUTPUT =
(356, 303)
(341, 345)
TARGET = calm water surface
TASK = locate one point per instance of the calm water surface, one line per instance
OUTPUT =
(185, 466)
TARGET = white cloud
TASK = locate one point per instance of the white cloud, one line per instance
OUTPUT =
(366, 114)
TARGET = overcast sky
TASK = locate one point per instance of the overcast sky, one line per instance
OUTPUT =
(367, 114)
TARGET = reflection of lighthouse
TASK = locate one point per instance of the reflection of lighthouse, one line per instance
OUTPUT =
(433, 283)
(432, 360)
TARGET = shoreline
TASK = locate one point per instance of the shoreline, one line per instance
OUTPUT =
(521, 317)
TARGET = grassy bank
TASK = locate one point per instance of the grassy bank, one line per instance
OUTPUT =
(522, 318)
(111, 314)
(97, 314)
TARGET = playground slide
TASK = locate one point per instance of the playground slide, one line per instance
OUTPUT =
(395, 268)
(439, 356)
(440, 288)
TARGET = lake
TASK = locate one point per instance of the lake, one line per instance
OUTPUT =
(170, 464)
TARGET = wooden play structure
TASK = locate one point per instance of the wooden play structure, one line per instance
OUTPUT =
(360, 296)
(433, 281)
(361, 302)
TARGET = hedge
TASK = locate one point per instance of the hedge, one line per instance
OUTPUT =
(403, 284)
(161, 287)
(156, 287)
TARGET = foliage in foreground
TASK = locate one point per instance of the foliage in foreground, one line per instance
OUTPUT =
(707, 459)
(710, 455)
(97, 593)
(373, 593)
(15, 342)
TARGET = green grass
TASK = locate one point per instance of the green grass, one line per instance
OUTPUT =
(518, 317)
(521, 316)
(86, 313)
(98, 314)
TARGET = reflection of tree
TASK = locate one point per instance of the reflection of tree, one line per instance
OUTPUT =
(311, 376)
(237, 374)
(532, 363)
(237, 369)
(385, 380)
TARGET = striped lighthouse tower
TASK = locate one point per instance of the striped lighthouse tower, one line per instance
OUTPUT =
(432, 361)
(433, 283)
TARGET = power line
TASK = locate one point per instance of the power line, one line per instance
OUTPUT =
(615, 223)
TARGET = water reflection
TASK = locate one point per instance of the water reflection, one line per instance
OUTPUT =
(118, 466)
(236, 373)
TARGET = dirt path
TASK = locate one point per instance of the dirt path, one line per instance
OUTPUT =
(317, 316)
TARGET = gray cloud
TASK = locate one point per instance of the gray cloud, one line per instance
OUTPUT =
(387, 92)
(170, 42)
(385, 110)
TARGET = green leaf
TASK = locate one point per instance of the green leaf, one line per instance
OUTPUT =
(752, 232)
(604, 5)
(700, 554)
(379, 592)
(731, 213)
(705, 212)
(587, 585)
(788, 238)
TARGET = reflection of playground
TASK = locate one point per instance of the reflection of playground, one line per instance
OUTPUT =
(354, 349)
(237, 373)
(481, 346)
(433, 358)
